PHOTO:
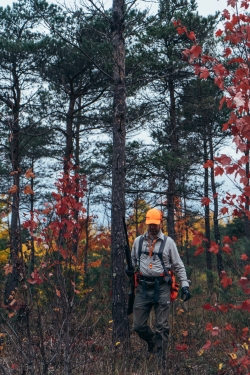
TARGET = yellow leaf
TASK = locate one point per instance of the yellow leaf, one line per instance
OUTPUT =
(200, 352)
(111, 321)
(117, 343)
(245, 346)
(233, 355)
(220, 366)
(110, 329)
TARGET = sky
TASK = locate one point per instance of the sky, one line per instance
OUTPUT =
(205, 7)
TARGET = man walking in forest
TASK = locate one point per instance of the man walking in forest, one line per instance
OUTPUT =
(154, 254)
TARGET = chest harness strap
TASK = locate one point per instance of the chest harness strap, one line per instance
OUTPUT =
(156, 279)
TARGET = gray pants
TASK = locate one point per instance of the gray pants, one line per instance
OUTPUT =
(142, 308)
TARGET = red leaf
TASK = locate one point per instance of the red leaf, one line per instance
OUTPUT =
(226, 239)
(246, 305)
(227, 52)
(191, 35)
(209, 307)
(215, 331)
(181, 347)
(200, 250)
(207, 346)
(205, 201)
(244, 257)
(214, 248)
(218, 171)
(209, 327)
(226, 14)
(247, 270)
(219, 32)
(223, 159)
(232, 2)
(204, 73)
(223, 308)
(227, 249)
(224, 210)
(245, 284)
(229, 327)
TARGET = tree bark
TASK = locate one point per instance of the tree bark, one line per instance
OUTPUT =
(119, 282)
(220, 266)
(172, 175)
(247, 205)
(207, 216)
(15, 239)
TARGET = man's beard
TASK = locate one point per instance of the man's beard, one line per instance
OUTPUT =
(153, 231)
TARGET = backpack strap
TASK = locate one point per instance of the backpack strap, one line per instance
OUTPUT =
(162, 246)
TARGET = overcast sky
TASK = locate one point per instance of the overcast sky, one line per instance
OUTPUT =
(205, 7)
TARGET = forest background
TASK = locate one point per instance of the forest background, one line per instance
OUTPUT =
(85, 136)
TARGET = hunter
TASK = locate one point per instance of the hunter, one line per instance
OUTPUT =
(154, 254)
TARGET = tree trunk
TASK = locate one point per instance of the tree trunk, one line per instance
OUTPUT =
(220, 266)
(69, 131)
(15, 236)
(171, 176)
(207, 217)
(247, 205)
(119, 282)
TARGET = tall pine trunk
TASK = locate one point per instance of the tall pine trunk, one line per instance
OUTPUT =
(172, 175)
(220, 266)
(207, 218)
(15, 235)
(119, 281)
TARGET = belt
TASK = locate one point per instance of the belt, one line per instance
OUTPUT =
(150, 285)
(151, 279)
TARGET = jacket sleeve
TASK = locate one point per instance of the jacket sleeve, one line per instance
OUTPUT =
(177, 263)
(134, 252)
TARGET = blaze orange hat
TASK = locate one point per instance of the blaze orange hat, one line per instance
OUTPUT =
(153, 216)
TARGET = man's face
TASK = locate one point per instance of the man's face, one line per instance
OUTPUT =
(153, 229)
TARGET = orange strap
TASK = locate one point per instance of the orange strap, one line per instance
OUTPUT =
(152, 246)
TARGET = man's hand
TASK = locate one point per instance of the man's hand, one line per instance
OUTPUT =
(185, 293)
(129, 272)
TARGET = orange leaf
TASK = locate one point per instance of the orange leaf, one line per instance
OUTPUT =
(185, 333)
(28, 190)
(58, 293)
(8, 268)
(226, 281)
(13, 189)
(29, 173)
(208, 164)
